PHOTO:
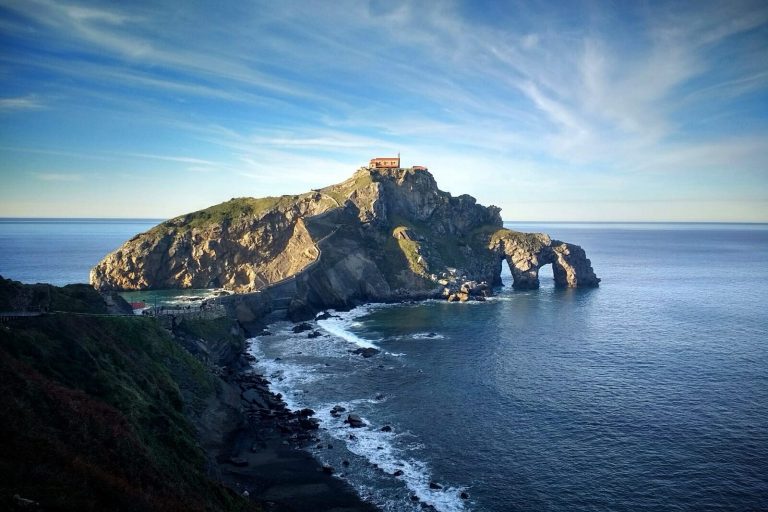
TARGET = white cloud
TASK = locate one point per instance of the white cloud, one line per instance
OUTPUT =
(21, 103)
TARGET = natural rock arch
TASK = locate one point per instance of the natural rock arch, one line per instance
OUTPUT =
(526, 253)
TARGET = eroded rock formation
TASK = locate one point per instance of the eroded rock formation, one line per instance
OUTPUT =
(383, 234)
(526, 253)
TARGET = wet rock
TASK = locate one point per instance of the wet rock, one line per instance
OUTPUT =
(345, 463)
(309, 423)
(435, 486)
(366, 352)
(325, 316)
(238, 462)
(337, 410)
(399, 472)
(464, 495)
(314, 334)
(305, 413)
(304, 326)
(386, 428)
(328, 469)
(355, 421)
(254, 397)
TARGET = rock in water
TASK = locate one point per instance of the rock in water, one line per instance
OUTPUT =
(366, 352)
(355, 421)
(382, 235)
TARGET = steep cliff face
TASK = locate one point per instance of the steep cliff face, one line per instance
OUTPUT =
(242, 245)
(380, 235)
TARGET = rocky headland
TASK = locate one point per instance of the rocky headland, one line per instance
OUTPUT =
(382, 235)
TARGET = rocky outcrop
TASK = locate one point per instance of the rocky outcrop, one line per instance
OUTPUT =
(526, 253)
(384, 234)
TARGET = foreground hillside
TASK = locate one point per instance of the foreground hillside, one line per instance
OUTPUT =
(118, 412)
(97, 411)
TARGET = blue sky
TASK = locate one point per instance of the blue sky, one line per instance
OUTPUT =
(607, 111)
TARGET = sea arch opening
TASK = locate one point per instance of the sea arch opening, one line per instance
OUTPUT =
(529, 274)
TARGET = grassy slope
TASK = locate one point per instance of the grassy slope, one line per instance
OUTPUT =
(93, 417)
(76, 298)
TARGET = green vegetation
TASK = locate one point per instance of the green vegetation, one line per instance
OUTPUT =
(230, 210)
(411, 251)
(342, 191)
(75, 298)
(93, 414)
(441, 251)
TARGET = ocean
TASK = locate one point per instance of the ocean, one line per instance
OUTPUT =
(61, 251)
(649, 393)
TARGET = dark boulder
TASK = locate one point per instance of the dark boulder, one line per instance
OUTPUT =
(337, 410)
(304, 326)
(355, 421)
(238, 462)
(366, 352)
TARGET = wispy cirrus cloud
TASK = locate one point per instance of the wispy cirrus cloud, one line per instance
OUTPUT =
(612, 97)
(21, 103)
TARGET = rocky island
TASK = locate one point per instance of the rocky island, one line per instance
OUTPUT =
(384, 234)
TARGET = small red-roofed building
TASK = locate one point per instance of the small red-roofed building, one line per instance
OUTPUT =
(385, 163)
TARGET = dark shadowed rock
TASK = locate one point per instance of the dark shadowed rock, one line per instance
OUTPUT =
(304, 326)
(238, 462)
(366, 352)
(337, 410)
(355, 421)
(309, 423)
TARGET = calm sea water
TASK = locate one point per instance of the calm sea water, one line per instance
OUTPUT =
(61, 251)
(649, 393)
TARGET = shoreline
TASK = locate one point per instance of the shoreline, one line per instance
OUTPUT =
(262, 454)
(417, 500)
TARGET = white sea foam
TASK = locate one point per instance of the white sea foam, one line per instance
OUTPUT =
(284, 377)
(389, 452)
(427, 336)
(292, 373)
(340, 325)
